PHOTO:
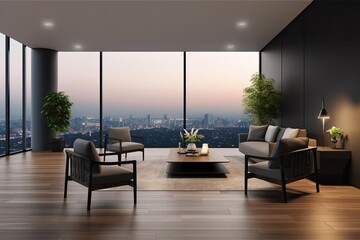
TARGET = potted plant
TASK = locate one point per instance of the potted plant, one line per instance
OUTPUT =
(192, 137)
(335, 134)
(262, 100)
(57, 112)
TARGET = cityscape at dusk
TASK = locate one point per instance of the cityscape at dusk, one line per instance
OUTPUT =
(144, 91)
(157, 131)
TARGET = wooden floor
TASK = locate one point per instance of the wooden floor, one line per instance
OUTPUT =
(32, 207)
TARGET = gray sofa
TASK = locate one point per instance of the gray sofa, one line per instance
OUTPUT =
(260, 147)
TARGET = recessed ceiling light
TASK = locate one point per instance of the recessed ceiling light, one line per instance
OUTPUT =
(78, 46)
(230, 46)
(241, 24)
(48, 24)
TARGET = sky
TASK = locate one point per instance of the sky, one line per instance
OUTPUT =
(139, 83)
(15, 79)
(142, 83)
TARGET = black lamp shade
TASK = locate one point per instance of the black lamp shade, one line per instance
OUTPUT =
(323, 114)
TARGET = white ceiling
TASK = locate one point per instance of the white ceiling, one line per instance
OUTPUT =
(147, 25)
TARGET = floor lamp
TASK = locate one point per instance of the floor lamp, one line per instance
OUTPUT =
(323, 115)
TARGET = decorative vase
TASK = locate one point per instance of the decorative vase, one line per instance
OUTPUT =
(334, 141)
(191, 147)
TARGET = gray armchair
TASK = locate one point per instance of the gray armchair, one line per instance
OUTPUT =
(290, 161)
(119, 141)
(83, 166)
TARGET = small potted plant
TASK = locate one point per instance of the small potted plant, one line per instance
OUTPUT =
(192, 137)
(335, 134)
(57, 112)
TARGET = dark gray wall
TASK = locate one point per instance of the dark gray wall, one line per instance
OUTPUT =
(319, 55)
(43, 80)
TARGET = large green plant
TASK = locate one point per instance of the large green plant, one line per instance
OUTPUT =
(57, 111)
(262, 100)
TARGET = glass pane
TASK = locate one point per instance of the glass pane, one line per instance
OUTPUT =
(28, 99)
(2, 95)
(78, 77)
(144, 91)
(16, 140)
(215, 83)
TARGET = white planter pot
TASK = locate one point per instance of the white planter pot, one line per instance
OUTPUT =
(191, 147)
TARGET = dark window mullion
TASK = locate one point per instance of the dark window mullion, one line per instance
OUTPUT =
(101, 100)
(184, 107)
(24, 97)
(7, 95)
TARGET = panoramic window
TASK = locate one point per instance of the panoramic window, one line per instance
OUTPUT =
(214, 91)
(2, 96)
(78, 77)
(144, 90)
(16, 86)
(28, 99)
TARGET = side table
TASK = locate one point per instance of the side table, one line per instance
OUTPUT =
(333, 165)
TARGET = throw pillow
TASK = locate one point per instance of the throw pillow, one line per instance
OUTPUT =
(257, 133)
(290, 133)
(285, 146)
(271, 133)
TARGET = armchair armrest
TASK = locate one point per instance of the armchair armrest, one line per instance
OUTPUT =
(259, 157)
(243, 137)
(272, 158)
(312, 142)
(133, 162)
(114, 139)
(137, 136)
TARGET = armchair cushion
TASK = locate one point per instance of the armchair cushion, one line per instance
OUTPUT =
(87, 149)
(257, 133)
(287, 145)
(111, 175)
(263, 169)
(122, 133)
(126, 146)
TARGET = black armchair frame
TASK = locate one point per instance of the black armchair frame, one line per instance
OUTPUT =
(75, 161)
(120, 152)
(300, 155)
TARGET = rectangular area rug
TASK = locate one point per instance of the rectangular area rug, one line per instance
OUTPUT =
(152, 175)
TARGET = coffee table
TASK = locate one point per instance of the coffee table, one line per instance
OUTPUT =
(209, 164)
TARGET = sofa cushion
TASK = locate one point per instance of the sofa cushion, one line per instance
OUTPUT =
(290, 133)
(302, 133)
(257, 133)
(260, 149)
(271, 133)
(287, 145)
